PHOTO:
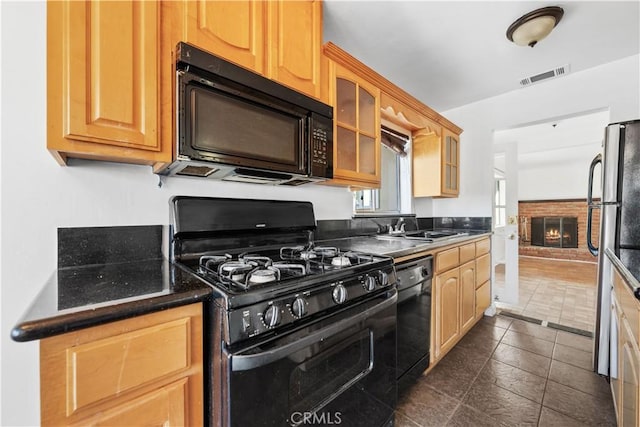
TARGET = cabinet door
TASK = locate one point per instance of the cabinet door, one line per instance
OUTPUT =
(427, 157)
(467, 295)
(616, 365)
(295, 43)
(234, 30)
(447, 308)
(451, 164)
(103, 82)
(630, 361)
(483, 299)
(357, 129)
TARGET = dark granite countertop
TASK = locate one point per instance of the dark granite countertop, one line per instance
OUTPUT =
(103, 276)
(398, 246)
(84, 296)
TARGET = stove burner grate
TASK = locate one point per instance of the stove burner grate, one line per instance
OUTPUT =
(248, 270)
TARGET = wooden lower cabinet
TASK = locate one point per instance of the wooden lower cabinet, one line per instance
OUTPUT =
(629, 368)
(145, 370)
(461, 294)
(447, 311)
(625, 383)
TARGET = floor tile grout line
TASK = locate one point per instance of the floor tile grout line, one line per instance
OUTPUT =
(404, 414)
(544, 394)
(517, 367)
(453, 413)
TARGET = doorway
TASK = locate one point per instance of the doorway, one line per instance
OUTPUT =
(556, 283)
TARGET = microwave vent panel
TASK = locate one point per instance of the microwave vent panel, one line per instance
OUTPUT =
(201, 171)
(550, 74)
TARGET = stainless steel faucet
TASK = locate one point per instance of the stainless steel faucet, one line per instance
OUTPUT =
(398, 228)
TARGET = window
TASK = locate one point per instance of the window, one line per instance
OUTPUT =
(500, 204)
(387, 197)
(394, 194)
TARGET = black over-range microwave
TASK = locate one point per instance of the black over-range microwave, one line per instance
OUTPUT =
(235, 125)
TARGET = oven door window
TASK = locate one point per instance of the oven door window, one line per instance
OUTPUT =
(238, 131)
(318, 379)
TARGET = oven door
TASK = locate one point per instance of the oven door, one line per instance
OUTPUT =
(337, 370)
(234, 125)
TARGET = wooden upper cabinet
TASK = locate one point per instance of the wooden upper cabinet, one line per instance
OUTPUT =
(279, 39)
(234, 30)
(356, 129)
(436, 163)
(103, 84)
(295, 44)
(436, 149)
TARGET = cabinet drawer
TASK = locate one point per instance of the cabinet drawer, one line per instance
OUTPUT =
(164, 406)
(467, 252)
(116, 364)
(448, 259)
(483, 298)
(483, 247)
(483, 269)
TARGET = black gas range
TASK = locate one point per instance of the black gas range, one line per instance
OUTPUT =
(298, 331)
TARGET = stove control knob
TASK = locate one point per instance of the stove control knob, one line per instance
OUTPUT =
(339, 294)
(369, 283)
(271, 316)
(383, 278)
(298, 307)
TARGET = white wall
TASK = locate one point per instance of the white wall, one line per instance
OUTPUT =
(614, 86)
(38, 196)
(541, 177)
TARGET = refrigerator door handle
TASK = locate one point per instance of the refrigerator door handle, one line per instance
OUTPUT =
(590, 205)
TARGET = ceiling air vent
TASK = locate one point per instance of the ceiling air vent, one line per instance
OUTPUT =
(551, 74)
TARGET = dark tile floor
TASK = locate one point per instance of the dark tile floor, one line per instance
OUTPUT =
(508, 372)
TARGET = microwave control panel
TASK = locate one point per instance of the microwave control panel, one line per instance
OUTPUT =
(319, 142)
(321, 155)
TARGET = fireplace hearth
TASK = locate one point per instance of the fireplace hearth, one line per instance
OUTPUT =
(554, 232)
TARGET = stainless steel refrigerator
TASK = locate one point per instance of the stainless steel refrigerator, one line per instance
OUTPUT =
(619, 208)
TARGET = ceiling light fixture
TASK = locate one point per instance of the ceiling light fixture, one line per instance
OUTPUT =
(534, 26)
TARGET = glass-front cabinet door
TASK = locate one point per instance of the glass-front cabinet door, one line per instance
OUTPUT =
(357, 130)
(451, 164)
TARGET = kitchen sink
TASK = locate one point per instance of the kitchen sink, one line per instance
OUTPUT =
(434, 235)
(427, 236)
(390, 236)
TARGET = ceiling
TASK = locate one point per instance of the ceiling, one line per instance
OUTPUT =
(451, 53)
(563, 141)
(567, 133)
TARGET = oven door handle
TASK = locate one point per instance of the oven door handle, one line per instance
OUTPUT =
(252, 361)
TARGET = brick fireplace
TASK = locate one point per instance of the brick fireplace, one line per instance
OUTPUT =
(556, 229)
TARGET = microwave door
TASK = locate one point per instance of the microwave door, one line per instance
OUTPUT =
(226, 128)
